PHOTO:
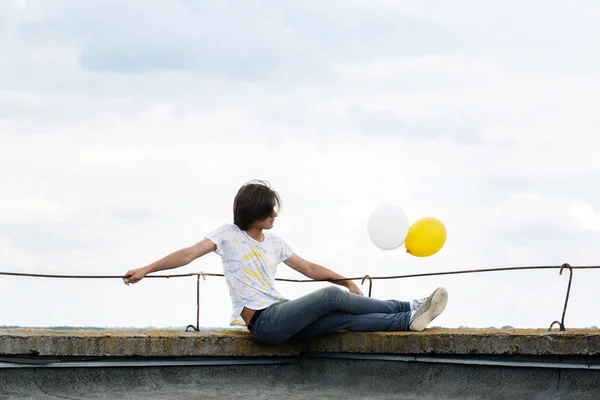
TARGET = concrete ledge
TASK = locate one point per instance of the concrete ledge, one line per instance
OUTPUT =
(235, 343)
(540, 342)
(143, 343)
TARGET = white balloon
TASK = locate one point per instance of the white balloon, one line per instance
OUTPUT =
(388, 227)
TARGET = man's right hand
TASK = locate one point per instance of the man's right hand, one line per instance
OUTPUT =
(134, 275)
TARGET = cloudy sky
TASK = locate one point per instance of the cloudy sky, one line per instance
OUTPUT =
(126, 128)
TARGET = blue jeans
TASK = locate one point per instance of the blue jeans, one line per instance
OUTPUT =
(328, 310)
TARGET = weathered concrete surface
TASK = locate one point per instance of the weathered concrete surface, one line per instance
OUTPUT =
(235, 343)
(539, 342)
(306, 379)
(145, 343)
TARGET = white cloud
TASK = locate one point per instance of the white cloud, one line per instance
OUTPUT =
(585, 216)
(529, 210)
(31, 210)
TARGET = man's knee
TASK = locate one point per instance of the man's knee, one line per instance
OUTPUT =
(331, 292)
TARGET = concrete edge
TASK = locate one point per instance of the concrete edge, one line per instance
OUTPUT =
(237, 343)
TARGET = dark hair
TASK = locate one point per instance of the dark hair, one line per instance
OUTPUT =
(254, 201)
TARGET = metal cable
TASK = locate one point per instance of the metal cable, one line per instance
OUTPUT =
(561, 323)
(470, 271)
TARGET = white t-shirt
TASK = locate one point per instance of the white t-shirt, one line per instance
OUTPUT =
(249, 267)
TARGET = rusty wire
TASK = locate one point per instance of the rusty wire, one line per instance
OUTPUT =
(469, 271)
(363, 278)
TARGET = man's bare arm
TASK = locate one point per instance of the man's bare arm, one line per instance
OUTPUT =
(318, 272)
(176, 259)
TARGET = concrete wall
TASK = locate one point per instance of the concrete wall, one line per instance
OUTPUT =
(435, 364)
(304, 379)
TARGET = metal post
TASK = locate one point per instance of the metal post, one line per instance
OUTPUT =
(197, 327)
(562, 322)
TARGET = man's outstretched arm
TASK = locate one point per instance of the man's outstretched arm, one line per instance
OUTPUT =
(174, 260)
(318, 272)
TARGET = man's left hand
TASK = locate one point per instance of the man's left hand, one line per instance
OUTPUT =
(355, 289)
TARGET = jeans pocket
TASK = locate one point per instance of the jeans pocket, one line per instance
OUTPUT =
(253, 324)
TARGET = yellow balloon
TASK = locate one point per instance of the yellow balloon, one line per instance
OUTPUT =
(425, 237)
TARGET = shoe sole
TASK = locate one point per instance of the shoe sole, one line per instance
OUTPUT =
(437, 306)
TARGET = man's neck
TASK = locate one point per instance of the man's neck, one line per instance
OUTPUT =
(256, 234)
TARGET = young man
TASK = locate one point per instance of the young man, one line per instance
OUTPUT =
(250, 257)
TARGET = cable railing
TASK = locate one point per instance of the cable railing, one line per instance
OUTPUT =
(203, 275)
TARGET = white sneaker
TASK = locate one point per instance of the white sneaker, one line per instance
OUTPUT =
(428, 308)
(416, 303)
